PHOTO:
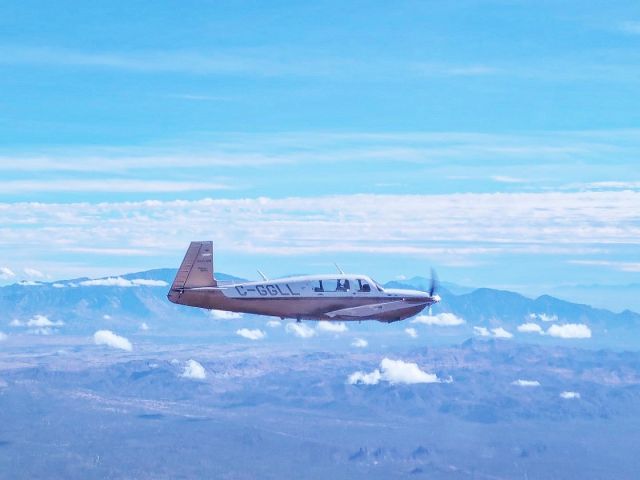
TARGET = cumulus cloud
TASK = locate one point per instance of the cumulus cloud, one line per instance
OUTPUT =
(110, 339)
(106, 317)
(58, 285)
(501, 333)
(530, 327)
(6, 273)
(274, 323)
(440, 320)
(29, 283)
(394, 372)
(194, 370)
(32, 272)
(543, 317)
(42, 321)
(224, 315)
(481, 331)
(359, 343)
(570, 395)
(411, 332)
(300, 330)
(372, 378)
(569, 330)
(498, 332)
(3, 336)
(526, 383)
(331, 327)
(255, 334)
(123, 282)
(144, 327)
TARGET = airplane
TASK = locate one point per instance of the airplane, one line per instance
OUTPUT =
(344, 297)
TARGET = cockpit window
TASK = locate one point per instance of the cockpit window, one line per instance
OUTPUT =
(363, 286)
(342, 286)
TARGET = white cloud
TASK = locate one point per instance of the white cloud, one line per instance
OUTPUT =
(224, 315)
(58, 285)
(633, 267)
(570, 395)
(507, 179)
(255, 334)
(497, 332)
(29, 283)
(476, 223)
(481, 331)
(110, 339)
(300, 330)
(3, 336)
(372, 378)
(441, 320)
(6, 273)
(401, 277)
(543, 317)
(501, 333)
(106, 317)
(394, 372)
(331, 327)
(411, 332)
(108, 185)
(359, 343)
(144, 327)
(123, 282)
(274, 323)
(42, 321)
(147, 282)
(526, 383)
(530, 327)
(32, 272)
(570, 330)
(194, 370)
(42, 331)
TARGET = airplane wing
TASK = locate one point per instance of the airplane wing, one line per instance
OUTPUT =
(365, 311)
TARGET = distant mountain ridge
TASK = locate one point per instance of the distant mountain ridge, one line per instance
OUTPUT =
(132, 298)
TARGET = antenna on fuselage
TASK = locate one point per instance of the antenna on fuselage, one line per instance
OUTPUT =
(264, 277)
(339, 269)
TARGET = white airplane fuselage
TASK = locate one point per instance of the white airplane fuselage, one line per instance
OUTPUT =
(310, 297)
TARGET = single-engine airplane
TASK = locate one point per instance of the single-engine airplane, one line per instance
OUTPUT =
(310, 297)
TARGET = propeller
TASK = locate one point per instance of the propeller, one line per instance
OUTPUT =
(433, 288)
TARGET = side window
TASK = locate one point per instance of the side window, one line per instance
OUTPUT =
(363, 286)
(318, 287)
(342, 286)
(330, 285)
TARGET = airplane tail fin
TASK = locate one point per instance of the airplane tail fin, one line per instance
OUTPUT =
(196, 270)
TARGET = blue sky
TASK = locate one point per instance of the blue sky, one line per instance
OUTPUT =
(496, 141)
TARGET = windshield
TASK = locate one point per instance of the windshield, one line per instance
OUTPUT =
(377, 285)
